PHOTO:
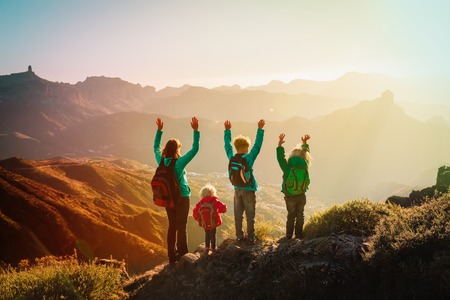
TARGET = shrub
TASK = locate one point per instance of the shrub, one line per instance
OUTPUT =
(358, 217)
(425, 227)
(411, 248)
(60, 278)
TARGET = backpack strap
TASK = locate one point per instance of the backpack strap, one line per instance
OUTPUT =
(304, 179)
(171, 164)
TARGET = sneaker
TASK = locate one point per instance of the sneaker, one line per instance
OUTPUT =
(206, 251)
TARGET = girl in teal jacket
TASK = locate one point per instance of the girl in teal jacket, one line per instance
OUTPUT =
(295, 204)
(177, 215)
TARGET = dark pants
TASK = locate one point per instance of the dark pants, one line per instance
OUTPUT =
(177, 233)
(295, 206)
(244, 201)
(210, 238)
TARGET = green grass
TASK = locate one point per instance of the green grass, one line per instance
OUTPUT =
(358, 217)
(60, 278)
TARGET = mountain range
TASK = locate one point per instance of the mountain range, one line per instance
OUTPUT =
(360, 148)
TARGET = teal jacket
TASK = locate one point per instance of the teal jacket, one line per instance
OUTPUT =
(182, 161)
(249, 157)
(294, 161)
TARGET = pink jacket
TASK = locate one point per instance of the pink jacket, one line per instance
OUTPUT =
(217, 204)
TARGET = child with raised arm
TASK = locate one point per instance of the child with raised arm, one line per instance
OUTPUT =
(295, 183)
(244, 182)
(177, 235)
(207, 213)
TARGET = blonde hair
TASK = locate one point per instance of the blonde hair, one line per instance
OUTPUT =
(300, 152)
(241, 142)
(208, 191)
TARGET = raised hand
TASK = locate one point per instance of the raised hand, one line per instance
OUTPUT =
(281, 139)
(305, 138)
(194, 123)
(227, 125)
(159, 123)
(261, 123)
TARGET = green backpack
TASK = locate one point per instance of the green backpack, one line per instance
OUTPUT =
(297, 181)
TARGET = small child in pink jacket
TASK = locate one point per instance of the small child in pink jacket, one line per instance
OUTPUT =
(207, 213)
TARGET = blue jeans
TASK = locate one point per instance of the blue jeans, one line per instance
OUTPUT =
(295, 206)
(244, 201)
(177, 233)
(210, 238)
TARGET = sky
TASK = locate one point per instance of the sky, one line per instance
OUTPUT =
(212, 43)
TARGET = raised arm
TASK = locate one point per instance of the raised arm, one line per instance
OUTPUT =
(227, 139)
(194, 124)
(258, 140)
(227, 125)
(157, 142)
(281, 139)
(186, 158)
(261, 124)
(305, 138)
(281, 158)
(159, 123)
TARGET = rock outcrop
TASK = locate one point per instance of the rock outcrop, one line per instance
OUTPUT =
(316, 268)
(417, 197)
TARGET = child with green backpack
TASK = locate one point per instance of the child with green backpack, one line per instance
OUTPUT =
(295, 183)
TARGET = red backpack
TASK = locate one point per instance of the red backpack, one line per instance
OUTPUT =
(208, 215)
(165, 186)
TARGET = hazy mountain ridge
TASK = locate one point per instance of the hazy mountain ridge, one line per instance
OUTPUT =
(349, 86)
(422, 98)
(371, 142)
(355, 150)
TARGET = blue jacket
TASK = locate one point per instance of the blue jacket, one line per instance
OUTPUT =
(182, 161)
(249, 157)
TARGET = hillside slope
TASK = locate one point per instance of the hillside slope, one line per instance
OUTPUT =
(100, 208)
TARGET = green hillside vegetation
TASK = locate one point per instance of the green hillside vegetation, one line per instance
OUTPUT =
(61, 278)
(357, 217)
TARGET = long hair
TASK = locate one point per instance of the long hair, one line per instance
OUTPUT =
(298, 151)
(172, 149)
